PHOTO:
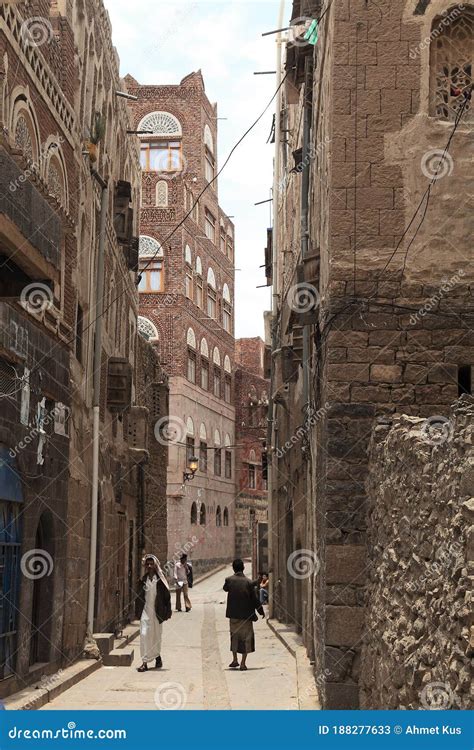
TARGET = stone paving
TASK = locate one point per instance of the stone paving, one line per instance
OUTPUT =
(195, 674)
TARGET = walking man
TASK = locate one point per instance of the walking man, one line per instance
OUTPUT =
(153, 607)
(183, 576)
(242, 601)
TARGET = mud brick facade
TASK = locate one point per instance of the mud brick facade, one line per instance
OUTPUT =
(251, 404)
(375, 307)
(57, 69)
(186, 309)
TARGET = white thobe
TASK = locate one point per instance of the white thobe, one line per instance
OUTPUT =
(150, 628)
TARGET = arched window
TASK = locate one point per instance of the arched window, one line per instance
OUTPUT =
(25, 133)
(160, 150)
(226, 309)
(202, 515)
(150, 265)
(204, 365)
(252, 469)
(199, 285)
(211, 294)
(190, 445)
(217, 375)
(217, 453)
(230, 246)
(188, 270)
(227, 365)
(161, 194)
(194, 514)
(210, 162)
(218, 516)
(147, 329)
(226, 517)
(216, 357)
(191, 367)
(252, 456)
(203, 448)
(55, 175)
(451, 63)
(227, 457)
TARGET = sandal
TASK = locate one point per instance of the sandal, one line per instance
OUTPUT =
(243, 668)
(158, 663)
(143, 668)
(234, 664)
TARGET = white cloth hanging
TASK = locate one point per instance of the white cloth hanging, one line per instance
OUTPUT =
(150, 628)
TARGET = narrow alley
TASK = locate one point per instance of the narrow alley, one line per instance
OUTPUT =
(195, 673)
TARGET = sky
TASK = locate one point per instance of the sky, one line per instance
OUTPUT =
(160, 43)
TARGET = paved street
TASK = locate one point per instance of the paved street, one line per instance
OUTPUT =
(195, 674)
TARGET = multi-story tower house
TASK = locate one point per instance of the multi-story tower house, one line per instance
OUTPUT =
(186, 306)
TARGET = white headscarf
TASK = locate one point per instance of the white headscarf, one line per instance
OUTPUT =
(159, 571)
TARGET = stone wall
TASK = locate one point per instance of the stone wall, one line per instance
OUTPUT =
(416, 642)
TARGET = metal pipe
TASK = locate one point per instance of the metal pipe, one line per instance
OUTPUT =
(272, 557)
(97, 367)
(304, 213)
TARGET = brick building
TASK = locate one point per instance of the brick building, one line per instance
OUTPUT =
(251, 410)
(57, 69)
(373, 295)
(186, 306)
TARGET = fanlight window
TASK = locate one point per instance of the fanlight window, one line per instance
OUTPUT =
(188, 255)
(227, 365)
(208, 139)
(451, 63)
(226, 294)
(211, 279)
(227, 440)
(216, 357)
(198, 266)
(149, 247)
(147, 329)
(55, 180)
(162, 194)
(150, 265)
(217, 438)
(204, 348)
(191, 338)
(161, 123)
(190, 427)
(252, 456)
(203, 432)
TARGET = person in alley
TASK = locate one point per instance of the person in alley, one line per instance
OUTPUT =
(153, 608)
(242, 605)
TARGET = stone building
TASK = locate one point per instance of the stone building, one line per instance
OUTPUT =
(373, 290)
(58, 80)
(251, 408)
(186, 306)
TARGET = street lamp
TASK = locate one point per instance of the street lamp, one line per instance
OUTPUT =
(191, 469)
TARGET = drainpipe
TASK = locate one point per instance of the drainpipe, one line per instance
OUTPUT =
(97, 368)
(304, 214)
(272, 557)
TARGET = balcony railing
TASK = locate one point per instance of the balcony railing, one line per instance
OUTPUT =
(23, 204)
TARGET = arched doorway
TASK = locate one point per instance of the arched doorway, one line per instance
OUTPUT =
(43, 591)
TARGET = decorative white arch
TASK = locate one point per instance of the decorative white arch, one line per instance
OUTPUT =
(203, 432)
(227, 365)
(204, 348)
(24, 124)
(217, 438)
(216, 356)
(211, 279)
(161, 194)
(191, 338)
(190, 427)
(147, 329)
(208, 139)
(252, 456)
(227, 442)
(198, 266)
(188, 256)
(55, 174)
(149, 247)
(160, 123)
(226, 294)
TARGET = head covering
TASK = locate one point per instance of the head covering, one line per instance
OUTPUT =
(159, 571)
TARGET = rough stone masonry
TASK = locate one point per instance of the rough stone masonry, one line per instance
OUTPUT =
(419, 637)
